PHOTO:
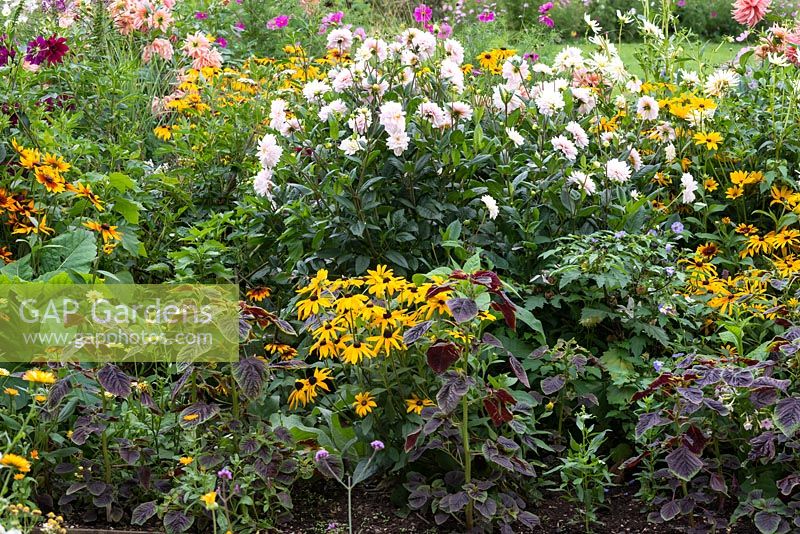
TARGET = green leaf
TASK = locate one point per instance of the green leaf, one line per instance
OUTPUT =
(19, 269)
(130, 242)
(128, 209)
(364, 470)
(74, 250)
(535, 324)
(617, 365)
(121, 182)
(396, 258)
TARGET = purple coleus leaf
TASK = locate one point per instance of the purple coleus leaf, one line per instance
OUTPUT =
(250, 374)
(649, 420)
(197, 413)
(463, 309)
(762, 446)
(552, 384)
(519, 372)
(114, 380)
(786, 485)
(413, 334)
(787, 416)
(683, 463)
(176, 522)
(767, 522)
(670, 510)
(142, 513)
(58, 391)
(455, 386)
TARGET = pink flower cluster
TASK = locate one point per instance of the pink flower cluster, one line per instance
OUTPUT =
(781, 41)
(201, 51)
(141, 15)
(146, 17)
(543, 17)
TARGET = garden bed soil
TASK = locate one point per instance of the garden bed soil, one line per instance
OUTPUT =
(319, 508)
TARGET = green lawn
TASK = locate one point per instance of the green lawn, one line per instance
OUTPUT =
(476, 39)
(698, 54)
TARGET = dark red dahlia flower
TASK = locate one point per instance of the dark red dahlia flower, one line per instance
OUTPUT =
(7, 51)
(51, 50)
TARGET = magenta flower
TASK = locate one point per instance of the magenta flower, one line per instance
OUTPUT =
(201, 15)
(51, 50)
(486, 16)
(334, 18)
(531, 56)
(239, 26)
(7, 51)
(331, 19)
(377, 445)
(225, 473)
(281, 21)
(547, 21)
(445, 31)
(423, 14)
(544, 8)
(360, 33)
(681, 3)
(222, 42)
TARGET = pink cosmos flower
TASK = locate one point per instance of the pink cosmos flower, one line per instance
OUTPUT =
(331, 19)
(222, 42)
(445, 31)
(486, 16)
(423, 13)
(281, 21)
(201, 15)
(750, 12)
(239, 26)
(547, 21)
(544, 8)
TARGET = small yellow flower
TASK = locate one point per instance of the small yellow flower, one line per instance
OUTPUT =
(711, 140)
(11, 391)
(734, 192)
(40, 377)
(364, 403)
(40, 398)
(549, 406)
(191, 417)
(20, 463)
(186, 460)
(416, 404)
(210, 500)
(4, 372)
(19, 476)
(163, 133)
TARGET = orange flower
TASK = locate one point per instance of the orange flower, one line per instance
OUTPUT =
(106, 231)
